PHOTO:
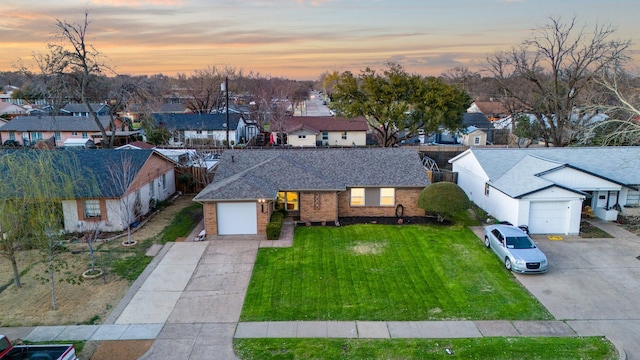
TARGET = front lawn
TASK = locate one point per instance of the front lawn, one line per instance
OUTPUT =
(475, 348)
(385, 272)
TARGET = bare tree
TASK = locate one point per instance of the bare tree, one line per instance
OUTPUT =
(547, 75)
(203, 91)
(121, 176)
(81, 62)
(618, 96)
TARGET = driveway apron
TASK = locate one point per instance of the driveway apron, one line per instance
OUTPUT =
(594, 285)
(204, 318)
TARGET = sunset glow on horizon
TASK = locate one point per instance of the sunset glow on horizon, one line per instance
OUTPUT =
(300, 39)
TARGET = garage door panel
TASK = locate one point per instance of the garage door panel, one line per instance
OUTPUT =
(548, 217)
(239, 218)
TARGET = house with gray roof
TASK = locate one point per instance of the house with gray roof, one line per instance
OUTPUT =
(314, 185)
(80, 109)
(114, 187)
(196, 128)
(548, 189)
(27, 130)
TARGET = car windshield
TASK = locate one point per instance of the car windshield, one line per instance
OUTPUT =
(520, 242)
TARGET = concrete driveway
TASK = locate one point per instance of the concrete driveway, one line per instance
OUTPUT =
(594, 285)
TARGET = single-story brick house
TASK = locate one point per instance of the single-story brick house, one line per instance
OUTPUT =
(314, 185)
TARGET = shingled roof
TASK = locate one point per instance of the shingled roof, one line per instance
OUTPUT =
(55, 123)
(255, 174)
(516, 171)
(319, 124)
(95, 167)
(197, 121)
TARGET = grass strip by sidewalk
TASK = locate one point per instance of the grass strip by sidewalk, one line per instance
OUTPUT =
(385, 272)
(183, 223)
(508, 348)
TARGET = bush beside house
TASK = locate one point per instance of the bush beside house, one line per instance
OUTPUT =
(274, 227)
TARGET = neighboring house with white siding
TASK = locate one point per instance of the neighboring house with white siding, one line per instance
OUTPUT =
(548, 188)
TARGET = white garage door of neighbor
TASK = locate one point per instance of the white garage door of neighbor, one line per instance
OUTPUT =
(237, 218)
(548, 217)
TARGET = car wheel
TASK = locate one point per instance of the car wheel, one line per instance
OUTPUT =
(486, 242)
(507, 263)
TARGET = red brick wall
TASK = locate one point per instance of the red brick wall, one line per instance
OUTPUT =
(318, 206)
(210, 218)
(408, 198)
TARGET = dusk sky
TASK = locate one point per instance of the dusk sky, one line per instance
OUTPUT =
(299, 39)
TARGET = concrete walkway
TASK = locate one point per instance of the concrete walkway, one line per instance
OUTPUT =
(190, 296)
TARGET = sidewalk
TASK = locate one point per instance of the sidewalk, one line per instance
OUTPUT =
(401, 329)
(199, 314)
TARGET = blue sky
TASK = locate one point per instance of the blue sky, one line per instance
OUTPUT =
(299, 39)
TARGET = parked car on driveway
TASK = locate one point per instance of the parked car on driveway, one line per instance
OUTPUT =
(515, 248)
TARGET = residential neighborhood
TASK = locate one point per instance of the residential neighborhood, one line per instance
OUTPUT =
(387, 209)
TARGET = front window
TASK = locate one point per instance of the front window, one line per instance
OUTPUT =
(387, 197)
(344, 135)
(289, 200)
(36, 135)
(163, 181)
(91, 209)
(12, 135)
(74, 133)
(57, 135)
(325, 135)
(476, 140)
(486, 189)
(357, 197)
(302, 136)
(85, 135)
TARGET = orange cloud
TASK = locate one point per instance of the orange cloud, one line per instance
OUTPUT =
(138, 2)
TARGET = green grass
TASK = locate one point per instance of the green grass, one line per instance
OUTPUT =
(183, 223)
(385, 272)
(494, 348)
(129, 263)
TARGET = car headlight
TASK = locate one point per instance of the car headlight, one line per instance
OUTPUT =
(519, 262)
(544, 261)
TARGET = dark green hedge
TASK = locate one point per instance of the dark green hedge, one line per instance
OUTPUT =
(274, 227)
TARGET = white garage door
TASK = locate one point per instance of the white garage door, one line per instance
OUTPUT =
(237, 218)
(549, 217)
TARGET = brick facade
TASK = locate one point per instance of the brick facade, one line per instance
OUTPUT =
(407, 197)
(210, 218)
(318, 206)
(325, 206)
(264, 211)
(263, 214)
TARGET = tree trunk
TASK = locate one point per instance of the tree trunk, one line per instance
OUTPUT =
(54, 306)
(16, 273)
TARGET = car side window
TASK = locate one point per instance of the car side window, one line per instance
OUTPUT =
(498, 235)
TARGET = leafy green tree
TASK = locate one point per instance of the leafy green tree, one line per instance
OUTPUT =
(31, 194)
(398, 105)
(444, 199)
(155, 135)
(13, 229)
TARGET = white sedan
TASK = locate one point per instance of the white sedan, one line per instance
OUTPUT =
(515, 248)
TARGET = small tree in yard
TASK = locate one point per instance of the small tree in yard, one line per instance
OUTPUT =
(445, 199)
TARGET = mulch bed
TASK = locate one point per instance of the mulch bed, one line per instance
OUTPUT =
(406, 220)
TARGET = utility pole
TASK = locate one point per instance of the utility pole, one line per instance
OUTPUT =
(225, 88)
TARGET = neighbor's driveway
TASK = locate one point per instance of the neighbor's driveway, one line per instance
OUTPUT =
(594, 284)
